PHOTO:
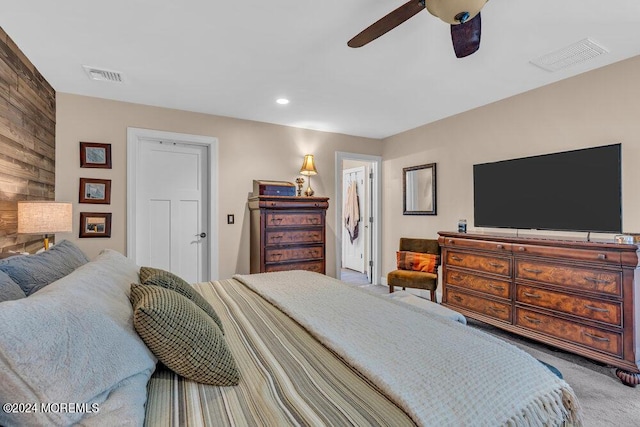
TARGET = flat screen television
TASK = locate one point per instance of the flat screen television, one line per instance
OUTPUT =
(577, 190)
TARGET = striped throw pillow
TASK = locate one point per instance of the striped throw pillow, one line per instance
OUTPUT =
(417, 261)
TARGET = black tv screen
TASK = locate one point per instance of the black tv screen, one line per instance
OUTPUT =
(576, 190)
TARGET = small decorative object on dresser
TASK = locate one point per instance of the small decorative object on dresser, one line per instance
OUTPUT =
(273, 188)
(287, 233)
(300, 182)
(580, 296)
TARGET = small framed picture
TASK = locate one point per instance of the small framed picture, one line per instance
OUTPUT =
(95, 155)
(95, 224)
(96, 191)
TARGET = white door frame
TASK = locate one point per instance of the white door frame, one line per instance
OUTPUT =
(134, 135)
(376, 209)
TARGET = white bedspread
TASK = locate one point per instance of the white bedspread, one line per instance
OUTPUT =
(441, 372)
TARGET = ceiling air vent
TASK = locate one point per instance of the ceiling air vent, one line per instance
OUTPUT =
(582, 51)
(103, 75)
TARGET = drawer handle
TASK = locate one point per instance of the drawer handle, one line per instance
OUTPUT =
(451, 242)
(532, 270)
(496, 287)
(602, 256)
(596, 337)
(495, 264)
(314, 220)
(598, 309)
(276, 220)
(456, 277)
(596, 280)
(457, 298)
(497, 310)
(278, 237)
(521, 249)
(532, 320)
(456, 258)
(277, 254)
(527, 294)
(499, 246)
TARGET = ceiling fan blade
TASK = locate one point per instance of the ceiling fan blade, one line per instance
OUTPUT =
(466, 37)
(387, 23)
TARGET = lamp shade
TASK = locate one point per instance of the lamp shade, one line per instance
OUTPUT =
(44, 217)
(308, 167)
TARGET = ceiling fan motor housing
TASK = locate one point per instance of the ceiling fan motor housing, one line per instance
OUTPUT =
(450, 11)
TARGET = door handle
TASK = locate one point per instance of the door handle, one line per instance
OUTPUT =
(203, 235)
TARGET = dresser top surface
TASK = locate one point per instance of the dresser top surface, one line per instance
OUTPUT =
(545, 241)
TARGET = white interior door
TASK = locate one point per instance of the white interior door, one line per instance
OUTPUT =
(353, 251)
(172, 208)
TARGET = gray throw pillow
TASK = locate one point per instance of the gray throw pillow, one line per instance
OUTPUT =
(168, 280)
(9, 290)
(182, 336)
(34, 272)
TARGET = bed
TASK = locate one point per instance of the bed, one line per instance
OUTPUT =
(310, 350)
(375, 362)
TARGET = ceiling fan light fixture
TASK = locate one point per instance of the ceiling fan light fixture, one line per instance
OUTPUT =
(451, 11)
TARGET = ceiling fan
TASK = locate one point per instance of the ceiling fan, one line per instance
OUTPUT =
(463, 15)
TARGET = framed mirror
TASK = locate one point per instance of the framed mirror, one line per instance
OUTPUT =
(419, 190)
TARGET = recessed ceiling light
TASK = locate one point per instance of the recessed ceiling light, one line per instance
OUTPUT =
(282, 101)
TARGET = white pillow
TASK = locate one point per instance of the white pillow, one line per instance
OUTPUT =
(74, 342)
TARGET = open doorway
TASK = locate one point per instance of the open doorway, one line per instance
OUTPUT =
(358, 218)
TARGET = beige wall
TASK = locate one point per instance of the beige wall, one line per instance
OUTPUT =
(597, 108)
(247, 151)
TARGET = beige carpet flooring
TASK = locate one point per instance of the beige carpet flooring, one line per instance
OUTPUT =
(604, 399)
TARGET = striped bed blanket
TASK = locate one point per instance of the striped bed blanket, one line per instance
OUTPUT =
(313, 351)
(287, 377)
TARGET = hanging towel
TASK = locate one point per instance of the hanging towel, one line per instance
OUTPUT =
(352, 211)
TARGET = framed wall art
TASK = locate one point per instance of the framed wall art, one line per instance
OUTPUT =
(95, 155)
(95, 224)
(96, 191)
(419, 190)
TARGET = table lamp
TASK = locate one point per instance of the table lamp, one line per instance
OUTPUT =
(44, 217)
(308, 168)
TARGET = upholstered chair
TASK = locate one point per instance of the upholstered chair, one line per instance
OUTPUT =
(406, 275)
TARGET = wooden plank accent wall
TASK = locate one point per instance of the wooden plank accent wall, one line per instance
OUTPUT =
(27, 142)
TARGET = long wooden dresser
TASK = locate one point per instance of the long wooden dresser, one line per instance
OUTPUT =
(579, 296)
(287, 233)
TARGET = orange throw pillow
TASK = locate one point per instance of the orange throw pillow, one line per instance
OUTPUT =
(417, 261)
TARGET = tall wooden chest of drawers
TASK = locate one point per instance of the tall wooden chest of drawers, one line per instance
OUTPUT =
(287, 233)
(583, 297)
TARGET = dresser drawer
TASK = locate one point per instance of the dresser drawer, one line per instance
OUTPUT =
(294, 219)
(282, 237)
(489, 264)
(500, 288)
(481, 305)
(289, 254)
(599, 339)
(477, 244)
(597, 281)
(591, 309)
(589, 255)
(315, 266)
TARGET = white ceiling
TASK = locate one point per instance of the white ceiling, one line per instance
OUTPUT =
(234, 58)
